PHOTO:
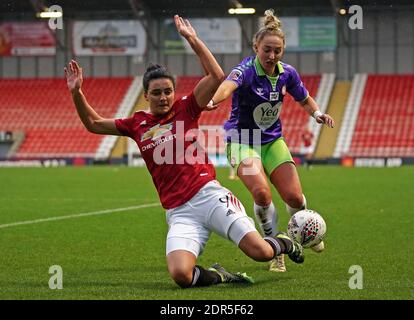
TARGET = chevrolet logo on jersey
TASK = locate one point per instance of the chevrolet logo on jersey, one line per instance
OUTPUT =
(156, 131)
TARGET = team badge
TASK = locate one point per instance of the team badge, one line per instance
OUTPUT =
(156, 131)
(274, 96)
(235, 74)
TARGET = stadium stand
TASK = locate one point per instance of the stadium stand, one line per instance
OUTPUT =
(378, 120)
(125, 109)
(120, 148)
(350, 116)
(327, 139)
(323, 97)
(294, 118)
(43, 109)
(385, 125)
(384, 119)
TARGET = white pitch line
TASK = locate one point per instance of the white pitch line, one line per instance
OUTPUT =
(94, 213)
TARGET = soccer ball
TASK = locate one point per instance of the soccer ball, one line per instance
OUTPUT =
(307, 227)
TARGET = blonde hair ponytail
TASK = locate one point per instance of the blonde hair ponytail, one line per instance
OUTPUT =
(271, 21)
(272, 25)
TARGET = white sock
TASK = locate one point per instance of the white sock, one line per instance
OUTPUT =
(267, 218)
(292, 211)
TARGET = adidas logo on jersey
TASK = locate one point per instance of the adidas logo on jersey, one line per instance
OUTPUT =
(229, 212)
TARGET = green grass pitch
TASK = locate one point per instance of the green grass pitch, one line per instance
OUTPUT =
(121, 255)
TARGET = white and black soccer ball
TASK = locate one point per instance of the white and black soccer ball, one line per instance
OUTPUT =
(307, 227)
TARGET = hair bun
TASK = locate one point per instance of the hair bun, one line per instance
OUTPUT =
(271, 21)
(154, 66)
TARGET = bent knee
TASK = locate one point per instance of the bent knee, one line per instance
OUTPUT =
(294, 200)
(265, 254)
(262, 195)
(261, 252)
(182, 277)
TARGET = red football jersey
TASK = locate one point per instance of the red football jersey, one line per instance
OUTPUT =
(179, 166)
(307, 137)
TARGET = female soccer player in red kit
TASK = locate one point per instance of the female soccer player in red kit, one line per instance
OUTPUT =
(196, 203)
(307, 149)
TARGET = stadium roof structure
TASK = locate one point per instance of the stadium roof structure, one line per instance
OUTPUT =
(26, 9)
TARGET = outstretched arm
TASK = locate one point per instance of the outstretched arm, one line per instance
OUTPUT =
(90, 119)
(312, 108)
(208, 85)
(225, 90)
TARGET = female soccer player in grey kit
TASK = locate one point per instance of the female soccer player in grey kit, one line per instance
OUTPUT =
(259, 84)
(196, 203)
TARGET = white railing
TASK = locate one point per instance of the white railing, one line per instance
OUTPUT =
(125, 108)
(351, 115)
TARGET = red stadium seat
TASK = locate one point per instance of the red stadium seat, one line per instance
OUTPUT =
(384, 125)
(43, 109)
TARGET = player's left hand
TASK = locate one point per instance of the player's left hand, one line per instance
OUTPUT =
(184, 27)
(325, 119)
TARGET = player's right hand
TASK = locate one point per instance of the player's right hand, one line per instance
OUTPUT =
(325, 119)
(211, 106)
(74, 76)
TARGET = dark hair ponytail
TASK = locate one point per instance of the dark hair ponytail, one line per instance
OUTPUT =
(156, 71)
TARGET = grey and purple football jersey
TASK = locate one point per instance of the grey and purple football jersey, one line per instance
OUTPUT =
(257, 102)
